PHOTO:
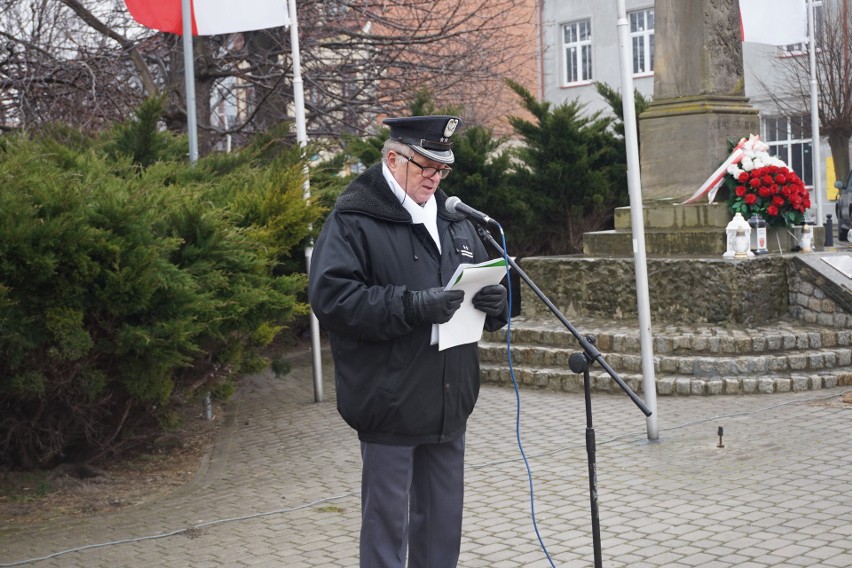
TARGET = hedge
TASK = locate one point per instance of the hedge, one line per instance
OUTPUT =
(125, 288)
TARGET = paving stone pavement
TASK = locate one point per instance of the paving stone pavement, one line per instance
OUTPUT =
(280, 487)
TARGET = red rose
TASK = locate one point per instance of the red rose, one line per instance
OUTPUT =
(773, 190)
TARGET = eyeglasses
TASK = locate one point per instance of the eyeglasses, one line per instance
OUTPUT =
(428, 171)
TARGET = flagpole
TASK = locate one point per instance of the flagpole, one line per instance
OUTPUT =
(302, 139)
(637, 223)
(189, 79)
(815, 137)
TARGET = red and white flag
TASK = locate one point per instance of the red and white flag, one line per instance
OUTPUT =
(775, 22)
(210, 17)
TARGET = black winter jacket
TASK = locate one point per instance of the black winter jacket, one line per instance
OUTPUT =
(392, 386)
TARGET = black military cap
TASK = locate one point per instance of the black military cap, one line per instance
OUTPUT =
(427, 135)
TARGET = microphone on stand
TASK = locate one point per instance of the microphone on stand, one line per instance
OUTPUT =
(455, 205)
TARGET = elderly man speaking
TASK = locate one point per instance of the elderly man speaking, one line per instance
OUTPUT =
(376, 284)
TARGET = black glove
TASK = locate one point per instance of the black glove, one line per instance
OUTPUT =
(434, 305)
(491, 300)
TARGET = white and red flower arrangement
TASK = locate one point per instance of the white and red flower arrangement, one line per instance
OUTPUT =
(764, 185)
(759, 184)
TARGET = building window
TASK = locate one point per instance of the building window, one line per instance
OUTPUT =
(642, 38)
(577, 47)
(799, 48)
(790, 140)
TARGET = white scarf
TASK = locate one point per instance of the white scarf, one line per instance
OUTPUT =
(427, 214)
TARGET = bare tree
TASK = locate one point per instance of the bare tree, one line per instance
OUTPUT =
(791, 91)
(55, 68)
(86, 63)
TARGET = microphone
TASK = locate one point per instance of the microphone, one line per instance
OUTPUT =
(455, 205)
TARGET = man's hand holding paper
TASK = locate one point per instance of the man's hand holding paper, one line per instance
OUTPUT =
(483, 295)
(490, 299)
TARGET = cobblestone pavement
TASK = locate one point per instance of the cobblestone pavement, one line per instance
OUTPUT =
(280, 488)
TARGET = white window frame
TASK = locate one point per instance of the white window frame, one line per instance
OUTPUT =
(789, 138)
(642, 41)
(577, 53)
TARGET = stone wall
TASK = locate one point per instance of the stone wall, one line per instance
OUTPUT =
(748, 292)
(815, 297)
(692, 290)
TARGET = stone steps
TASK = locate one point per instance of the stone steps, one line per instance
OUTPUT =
(561, 379)
(781, 356)
(698, 366)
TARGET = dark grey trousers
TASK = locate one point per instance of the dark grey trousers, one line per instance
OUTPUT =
(411, 498)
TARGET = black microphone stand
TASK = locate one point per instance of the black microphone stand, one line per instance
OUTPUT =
(578, 363)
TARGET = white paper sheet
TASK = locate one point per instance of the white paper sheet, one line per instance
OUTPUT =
(467, 323)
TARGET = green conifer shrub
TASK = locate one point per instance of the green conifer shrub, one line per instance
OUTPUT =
(572, 174)
(130, 280)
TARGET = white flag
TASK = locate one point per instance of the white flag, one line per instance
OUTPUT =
(776, 22)
(226, 16)
(211, 17)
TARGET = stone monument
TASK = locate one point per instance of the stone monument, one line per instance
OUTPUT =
(699, 105)
(699, 97)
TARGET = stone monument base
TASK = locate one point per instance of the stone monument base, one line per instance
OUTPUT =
(683, 230)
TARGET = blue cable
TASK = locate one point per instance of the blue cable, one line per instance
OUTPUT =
(518, 402)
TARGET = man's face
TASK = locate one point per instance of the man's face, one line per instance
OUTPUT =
(418, 176)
